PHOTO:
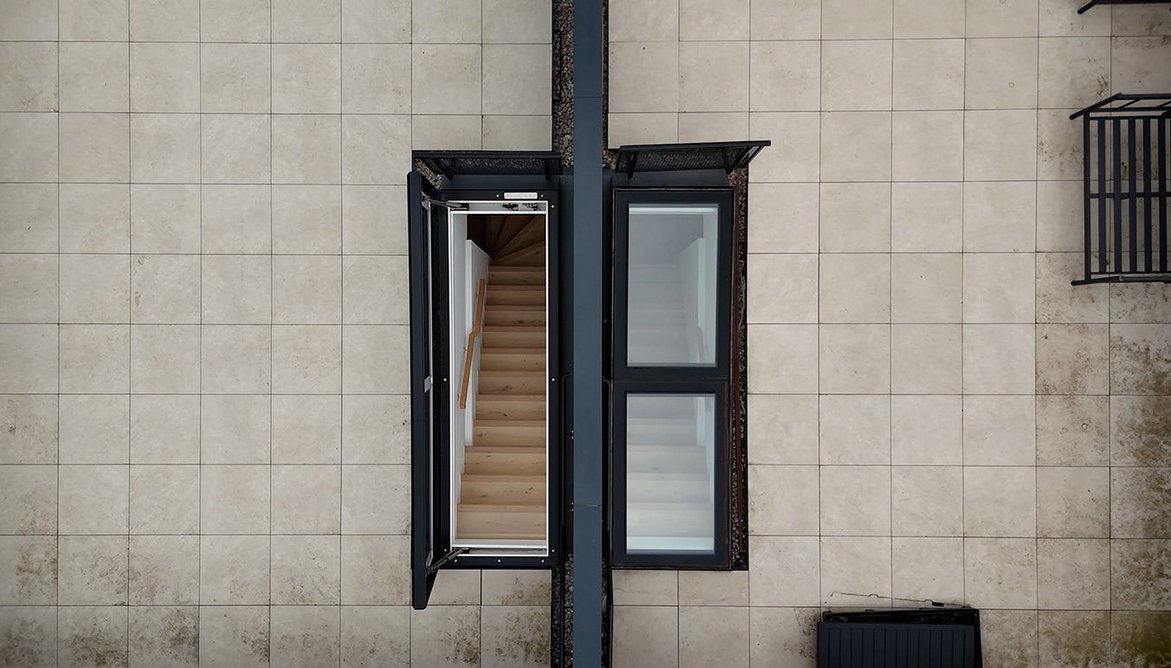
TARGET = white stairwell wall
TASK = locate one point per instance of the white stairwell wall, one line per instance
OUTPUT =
(468, 265)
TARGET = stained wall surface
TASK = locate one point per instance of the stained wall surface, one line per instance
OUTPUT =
(203, 364)
(934, 412)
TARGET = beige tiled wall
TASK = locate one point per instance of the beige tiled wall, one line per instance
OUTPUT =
(935, 413)
(203, 332)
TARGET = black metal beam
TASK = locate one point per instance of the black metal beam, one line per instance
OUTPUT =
(588, 260)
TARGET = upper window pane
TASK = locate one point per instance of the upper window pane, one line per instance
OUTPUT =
(670, 466)
(672, 294)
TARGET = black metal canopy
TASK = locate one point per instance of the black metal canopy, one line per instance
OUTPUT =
(727, 156)
(490, 163)
(1142, 104)
(1085, 8)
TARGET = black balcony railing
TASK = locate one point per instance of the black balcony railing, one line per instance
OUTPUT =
(1085, 8)
(1126, 153)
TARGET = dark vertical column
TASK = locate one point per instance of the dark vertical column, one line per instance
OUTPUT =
(588, 260)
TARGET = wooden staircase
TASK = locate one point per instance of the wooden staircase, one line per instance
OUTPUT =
(502, 487)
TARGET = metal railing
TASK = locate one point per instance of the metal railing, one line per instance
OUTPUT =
(1126, 185)
(469, 354)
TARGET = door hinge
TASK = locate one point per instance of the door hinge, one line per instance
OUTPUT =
(446, 559)
(450, 206)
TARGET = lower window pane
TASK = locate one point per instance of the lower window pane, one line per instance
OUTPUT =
(670, 482)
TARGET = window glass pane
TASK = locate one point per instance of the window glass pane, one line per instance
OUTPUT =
(670, 481)
(671, 319)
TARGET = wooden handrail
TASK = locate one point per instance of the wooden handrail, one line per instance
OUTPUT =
(477, 329)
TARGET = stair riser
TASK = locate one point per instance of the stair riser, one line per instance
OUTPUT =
(498, 315)
(498, 278)
(512, 385)
(502, 493)
(508, 339)
(506, 297)
(510, 410)
(526, 436)
(503, 464)
(476, 524)
(510, 362)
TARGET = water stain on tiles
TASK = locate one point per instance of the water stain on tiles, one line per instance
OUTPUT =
(92, 646)
(1141, 639)
(23, 642)
(36, 569)
(524, 639)
(1141, 502)
(181, 636)
(1140, 358)
(463, 650)
(259, 646)
(1142, 431)
(1141, 574)
(1075, 639)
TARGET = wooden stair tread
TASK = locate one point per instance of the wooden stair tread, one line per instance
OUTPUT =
(500, 450)
(502, 477)
(496, 507)
(535, 308)
(509, 373)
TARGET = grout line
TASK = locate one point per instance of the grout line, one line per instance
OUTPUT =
(341, 319)
(890, 319)
(130, 319)
(1036, 513)
(963, 196)
(199, 425)
(271, 247)
(57, 522)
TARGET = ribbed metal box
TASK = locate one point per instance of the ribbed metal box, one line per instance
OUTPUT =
(899, 639)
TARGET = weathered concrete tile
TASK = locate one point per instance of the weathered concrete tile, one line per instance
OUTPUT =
(1074, 639)
(1009, 638)
(1140, 430)
(1140, 503)
(1072, 430)
(1073, 502)
(92, 636)
(375, 636)
(164, 635)
(856, 571)
(646, 587)
(515, 587)
(1140, 637)
(231, 636)
(713, 635)
(1140, 574)
(305, 635)
(28, 570)
(1073, 574)
(645, 636)
(783, 636)
(443, 636)
(28, 635)
(1140, 359)
(514, 636)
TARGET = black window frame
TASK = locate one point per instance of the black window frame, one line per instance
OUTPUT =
(718, 379)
